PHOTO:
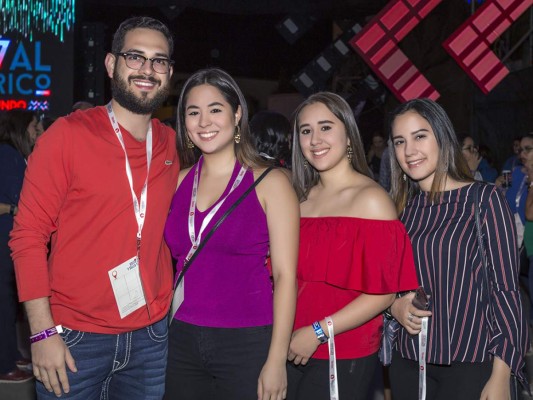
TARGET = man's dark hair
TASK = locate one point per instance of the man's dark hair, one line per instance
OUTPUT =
(140, 22)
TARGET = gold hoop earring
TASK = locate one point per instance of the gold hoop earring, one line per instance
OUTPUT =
(349, 153)
(237, 135)
(188, 141)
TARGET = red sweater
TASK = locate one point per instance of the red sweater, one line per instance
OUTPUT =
(76, 192)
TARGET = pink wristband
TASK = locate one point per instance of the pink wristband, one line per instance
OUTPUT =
(46, 333)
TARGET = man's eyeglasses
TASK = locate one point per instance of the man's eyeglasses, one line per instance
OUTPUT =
(526, 149)
(136, 61)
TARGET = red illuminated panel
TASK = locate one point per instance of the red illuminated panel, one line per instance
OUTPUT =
(7, 104)
(470, 44)
(378, 41)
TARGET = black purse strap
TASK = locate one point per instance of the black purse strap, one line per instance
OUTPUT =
(481, 244)
(188, 263)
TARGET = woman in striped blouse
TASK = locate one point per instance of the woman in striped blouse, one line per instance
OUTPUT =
(473, 343)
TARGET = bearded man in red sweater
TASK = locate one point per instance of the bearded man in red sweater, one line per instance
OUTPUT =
(99, 185)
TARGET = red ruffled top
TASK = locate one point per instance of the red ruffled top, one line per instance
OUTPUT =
(342, 257)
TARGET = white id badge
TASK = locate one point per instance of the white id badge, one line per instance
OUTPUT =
(177, 299)
(127, 287)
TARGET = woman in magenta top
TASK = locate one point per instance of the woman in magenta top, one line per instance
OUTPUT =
(354, 254)
(230, 335)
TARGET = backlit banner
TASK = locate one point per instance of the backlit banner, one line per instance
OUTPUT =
(36, 74)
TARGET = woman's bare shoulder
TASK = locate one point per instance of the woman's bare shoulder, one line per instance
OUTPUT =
(371, 201)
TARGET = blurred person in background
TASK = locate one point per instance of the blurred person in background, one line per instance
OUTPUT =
(526, 162)
(18, 131)
(514, 160)
(271, 135)
(385, 170)
(373, 157)
(479, 166)
(82, 105)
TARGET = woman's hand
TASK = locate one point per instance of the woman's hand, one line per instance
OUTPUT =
(6, 208)
(498, 385)
(474, 160)
(303, 345)
(272, 382)
(408, 315)
(496, 389)
(499, 181)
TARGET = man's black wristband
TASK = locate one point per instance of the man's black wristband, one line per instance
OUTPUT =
(12, 209)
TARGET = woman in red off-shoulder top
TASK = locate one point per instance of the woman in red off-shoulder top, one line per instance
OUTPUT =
(354, 255)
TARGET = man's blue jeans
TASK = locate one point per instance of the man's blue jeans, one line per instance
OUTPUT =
(127, 366)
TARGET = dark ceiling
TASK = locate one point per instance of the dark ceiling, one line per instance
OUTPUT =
(363, 7)
(238, 35)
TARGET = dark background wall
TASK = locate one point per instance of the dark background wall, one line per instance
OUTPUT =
(242, 37)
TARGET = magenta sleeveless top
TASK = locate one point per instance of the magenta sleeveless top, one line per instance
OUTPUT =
(228, 284)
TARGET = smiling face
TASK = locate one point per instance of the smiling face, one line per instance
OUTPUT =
(416, 148)
(140, 91)
(322, 137)
(210, 120)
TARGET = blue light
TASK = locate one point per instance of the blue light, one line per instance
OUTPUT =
(30, 16)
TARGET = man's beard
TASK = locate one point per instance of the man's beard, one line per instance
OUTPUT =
(137, 105)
